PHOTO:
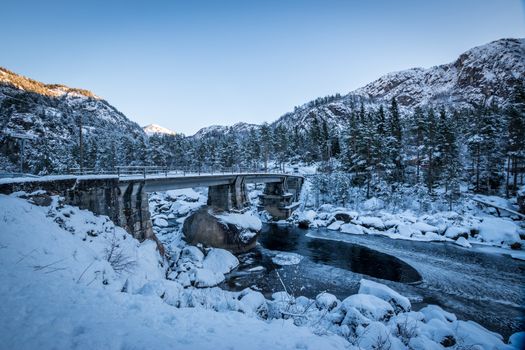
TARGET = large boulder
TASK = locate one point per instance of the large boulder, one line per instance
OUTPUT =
(210, 230)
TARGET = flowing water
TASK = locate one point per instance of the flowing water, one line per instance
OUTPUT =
(476, 285)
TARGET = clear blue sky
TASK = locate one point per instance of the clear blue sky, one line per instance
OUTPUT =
(190, 64)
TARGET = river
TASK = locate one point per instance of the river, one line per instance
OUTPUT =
(477, 285)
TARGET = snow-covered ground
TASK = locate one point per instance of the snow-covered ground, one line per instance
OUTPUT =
(71, 279)
(470, 223)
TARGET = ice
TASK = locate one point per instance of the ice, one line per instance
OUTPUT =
(283, 258)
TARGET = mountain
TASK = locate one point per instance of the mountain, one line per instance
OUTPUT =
(154, 129)
(52, 113)
(481, 76)
(240, 129)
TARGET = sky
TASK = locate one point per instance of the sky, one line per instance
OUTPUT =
(190, 64)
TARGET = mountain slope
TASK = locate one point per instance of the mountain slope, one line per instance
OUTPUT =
(481, 76)
(52, 114)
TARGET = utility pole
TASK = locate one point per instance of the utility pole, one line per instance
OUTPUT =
(22, 138)
(81, 145)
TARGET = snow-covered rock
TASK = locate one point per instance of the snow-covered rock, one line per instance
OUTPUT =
(369, 306)
(424, 227)
(352, 229)
(220, 261)
(336, 225)
(462, 241)
(207, 278)
(326, 301)
(372, 221)
(398, 302)
(498, 231)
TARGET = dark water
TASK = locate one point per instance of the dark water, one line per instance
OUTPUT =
(486, 288)
(353, 257)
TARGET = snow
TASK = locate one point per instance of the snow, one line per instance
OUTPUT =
(336, 225)
(187, 194)
(462, 241)
(398, 302)
(220, 261)
(370, 221)
(59, 292)
(245, 220)
(369, 306)
(498, 231)
(207, 278)
(352, 229)
(424, 227)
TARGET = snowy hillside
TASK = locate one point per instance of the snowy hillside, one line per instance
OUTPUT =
(215, 130)
(153, 129)
(481, 76)
(53, 113)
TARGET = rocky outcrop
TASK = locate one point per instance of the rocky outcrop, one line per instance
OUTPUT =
(206, 228)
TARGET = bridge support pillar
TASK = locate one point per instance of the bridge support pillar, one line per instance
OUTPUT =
(280, 199)
(229, 197)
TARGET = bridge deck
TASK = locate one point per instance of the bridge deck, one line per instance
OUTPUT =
(162, 182)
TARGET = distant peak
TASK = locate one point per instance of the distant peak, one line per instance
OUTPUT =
(154, 129)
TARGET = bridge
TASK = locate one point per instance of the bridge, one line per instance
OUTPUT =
(123, 197)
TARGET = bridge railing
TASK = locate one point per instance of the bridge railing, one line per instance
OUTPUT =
(144, 171)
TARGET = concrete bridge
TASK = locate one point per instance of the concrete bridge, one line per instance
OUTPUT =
(124, 198)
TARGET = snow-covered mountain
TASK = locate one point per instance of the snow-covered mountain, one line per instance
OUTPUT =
(154, 129)
(481, 76)
(213, 130)
(53, 113)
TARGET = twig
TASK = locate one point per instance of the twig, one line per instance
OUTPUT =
(83, 272)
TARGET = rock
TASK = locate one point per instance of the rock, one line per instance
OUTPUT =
(203, 227)
(40, 199)
(304, 224)
(398, 302)
(220, 261)
(343, 216)
(448, 341)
